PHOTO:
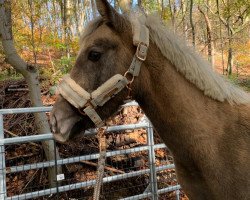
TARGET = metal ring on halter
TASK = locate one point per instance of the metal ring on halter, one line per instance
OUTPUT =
(130, 80)
(81, 110)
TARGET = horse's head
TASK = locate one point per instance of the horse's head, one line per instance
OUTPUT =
(106, 50)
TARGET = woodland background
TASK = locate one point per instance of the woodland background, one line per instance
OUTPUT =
(46, 32)
(45, 35)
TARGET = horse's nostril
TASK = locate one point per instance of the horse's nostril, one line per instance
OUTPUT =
(53, 123)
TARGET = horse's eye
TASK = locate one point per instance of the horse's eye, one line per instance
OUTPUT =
(94, 56)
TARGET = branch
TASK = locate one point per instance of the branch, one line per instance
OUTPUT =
(221, 18)
(106, 167)
(244, 25)
(5, 26)
(242, 15)
(205, 17)
(217, 14)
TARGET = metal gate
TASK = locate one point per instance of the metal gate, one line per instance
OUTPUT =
(153, 185)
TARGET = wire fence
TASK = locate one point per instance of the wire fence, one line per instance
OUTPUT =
(138, 165)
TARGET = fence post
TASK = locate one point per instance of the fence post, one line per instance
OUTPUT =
(177, 194)
(151, 154)
(3, 191)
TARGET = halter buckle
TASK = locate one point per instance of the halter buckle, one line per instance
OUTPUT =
(141, 51)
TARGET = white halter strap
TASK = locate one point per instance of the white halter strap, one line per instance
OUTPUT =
(87, 102)
(141, 40)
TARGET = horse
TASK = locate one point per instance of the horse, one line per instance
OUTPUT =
(203, 119)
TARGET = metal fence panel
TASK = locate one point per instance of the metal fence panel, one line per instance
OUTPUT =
(151, 189)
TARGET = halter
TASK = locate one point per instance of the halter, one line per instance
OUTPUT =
(86, 102)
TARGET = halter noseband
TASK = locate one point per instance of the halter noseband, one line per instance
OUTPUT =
(86, 102)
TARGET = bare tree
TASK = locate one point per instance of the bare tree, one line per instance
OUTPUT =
(221, 38)
(210, 45)
(32, 24)
(65, 13)
(235, 19)
(94, 10)
(173, 12)
(31, 76)
(184, 20)
(192, 22)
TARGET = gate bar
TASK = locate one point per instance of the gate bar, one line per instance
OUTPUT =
(86, 184)
(3, 190)
(25, 110)
(169, 189)
(151, 154)
(139, 196)
(49, 136)
(14, 169)
(51, 163)
(142, 196)
(42, 109)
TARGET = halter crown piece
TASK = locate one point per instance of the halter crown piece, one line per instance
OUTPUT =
(86, 102)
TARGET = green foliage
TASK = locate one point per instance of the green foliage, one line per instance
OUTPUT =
(242, 82)
(246, 84)
(9, 73)
(65, 64)
(61, 67)
(151, 6)
(233, 78)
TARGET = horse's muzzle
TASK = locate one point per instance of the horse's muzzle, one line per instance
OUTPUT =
(64, 120)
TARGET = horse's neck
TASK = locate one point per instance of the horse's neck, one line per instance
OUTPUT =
(178, 110)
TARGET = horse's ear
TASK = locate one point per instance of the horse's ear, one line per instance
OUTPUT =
(110, 15)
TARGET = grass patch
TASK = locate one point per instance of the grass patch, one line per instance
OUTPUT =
(6, 77)
(243, 82)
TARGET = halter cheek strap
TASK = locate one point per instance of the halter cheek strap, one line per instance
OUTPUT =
(87, 102)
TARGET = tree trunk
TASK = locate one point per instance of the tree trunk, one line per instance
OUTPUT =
(173, 14)
(67, 7)
(76, 18)
(64, 4)
(210, 44)
(184, 20)
(53, 20)
(139, 4)
(94, 10)
(230, 61)
(79, 15)
(230, 51)
(62, 20)
(31, 76)
(221, 38)
(191, 22)
(32, 25)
